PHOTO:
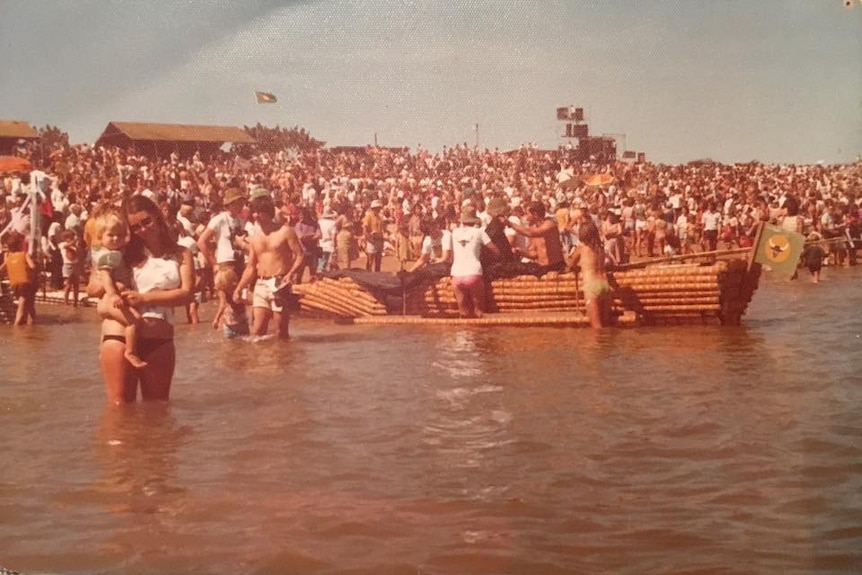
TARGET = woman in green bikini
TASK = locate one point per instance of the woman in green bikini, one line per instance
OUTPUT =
(590, 256)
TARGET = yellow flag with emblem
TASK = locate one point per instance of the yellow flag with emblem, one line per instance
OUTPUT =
(779, 249)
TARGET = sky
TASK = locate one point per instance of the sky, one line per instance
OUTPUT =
(777, 81)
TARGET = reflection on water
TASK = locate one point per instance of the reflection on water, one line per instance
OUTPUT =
(137, 447)
(406, 449)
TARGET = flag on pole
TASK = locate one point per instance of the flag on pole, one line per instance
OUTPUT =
(265, 98)
(779, 249)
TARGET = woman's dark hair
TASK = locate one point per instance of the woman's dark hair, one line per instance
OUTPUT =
(14, 241)
(428, 226)
(537, 208)
(791, 204)
(135, 250)
(588, 234)
(308, 215)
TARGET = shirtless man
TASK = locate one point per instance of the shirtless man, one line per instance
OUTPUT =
(545, 245)
(274, 256)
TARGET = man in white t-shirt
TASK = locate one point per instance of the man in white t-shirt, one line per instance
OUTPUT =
(184, 218)
(73, 220)
(227, 229)
(711, 223)
(467, 281)
(59, 202)
(328, 229)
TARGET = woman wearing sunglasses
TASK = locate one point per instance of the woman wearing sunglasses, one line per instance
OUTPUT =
(163, 277)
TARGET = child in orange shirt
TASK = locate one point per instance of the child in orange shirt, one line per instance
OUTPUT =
(22, 277)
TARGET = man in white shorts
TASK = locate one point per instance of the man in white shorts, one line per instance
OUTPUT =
(274, 255)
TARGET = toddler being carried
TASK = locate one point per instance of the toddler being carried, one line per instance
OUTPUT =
(110, 238)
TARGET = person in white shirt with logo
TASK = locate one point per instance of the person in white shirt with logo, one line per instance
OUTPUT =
(467, 281)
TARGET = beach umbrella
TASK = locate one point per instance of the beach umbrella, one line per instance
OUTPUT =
(10, 164)
(569, 182)
(600, 180)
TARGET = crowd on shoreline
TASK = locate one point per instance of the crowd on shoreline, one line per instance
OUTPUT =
(642, 210)
(153, 235)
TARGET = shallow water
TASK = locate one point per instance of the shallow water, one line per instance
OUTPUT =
(408, 449)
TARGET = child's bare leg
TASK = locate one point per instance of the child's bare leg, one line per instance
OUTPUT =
(128, 318)
(131, 342)
(19, 312)
(133, 318)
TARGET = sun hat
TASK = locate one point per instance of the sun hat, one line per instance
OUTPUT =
(232, 195)
(260, 192)
(376, 204)
(468, 216)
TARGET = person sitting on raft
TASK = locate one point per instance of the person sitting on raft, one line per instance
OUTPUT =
(545, 245)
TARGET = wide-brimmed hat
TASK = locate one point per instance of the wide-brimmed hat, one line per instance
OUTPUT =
(497, 207)
(260, 192)
(468, 216)
(232, 195)
(376, 204)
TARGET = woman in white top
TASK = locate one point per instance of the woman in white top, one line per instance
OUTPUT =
(163, 276)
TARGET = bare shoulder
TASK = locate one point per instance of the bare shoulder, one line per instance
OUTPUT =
(181, 252)
(288, 234)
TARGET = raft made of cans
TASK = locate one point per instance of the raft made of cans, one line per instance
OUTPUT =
(718, 293)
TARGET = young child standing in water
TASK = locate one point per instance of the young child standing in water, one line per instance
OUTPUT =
(111, 237)
(22, 277)
(69, 249)
(813, 256)
(232, 313)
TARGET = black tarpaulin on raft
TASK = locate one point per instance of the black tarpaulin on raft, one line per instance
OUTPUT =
(390, 284)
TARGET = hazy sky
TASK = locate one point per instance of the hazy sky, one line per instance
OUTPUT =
(773, 80)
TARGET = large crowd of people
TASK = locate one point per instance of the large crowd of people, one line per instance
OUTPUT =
(248, 227)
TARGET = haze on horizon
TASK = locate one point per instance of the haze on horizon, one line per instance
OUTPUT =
(774, 80)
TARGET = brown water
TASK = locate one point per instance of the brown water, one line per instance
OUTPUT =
(363, 449)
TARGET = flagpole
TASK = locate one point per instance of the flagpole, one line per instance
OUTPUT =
(755, 245)
(683, 257)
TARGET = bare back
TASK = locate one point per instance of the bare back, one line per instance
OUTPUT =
(592, 263)
(548, 247)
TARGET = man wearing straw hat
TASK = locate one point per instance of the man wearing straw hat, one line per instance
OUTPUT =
(467, 281)
(225, 228)
(372, 226)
